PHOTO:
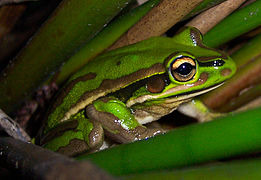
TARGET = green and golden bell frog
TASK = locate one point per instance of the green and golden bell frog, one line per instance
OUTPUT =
(119, 91)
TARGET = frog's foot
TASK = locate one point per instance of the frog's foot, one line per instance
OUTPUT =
(74, 137)
(96, 136)
(142, 132)
(118, 122)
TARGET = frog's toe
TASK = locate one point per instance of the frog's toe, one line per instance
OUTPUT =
(145, 133)
(96, 136)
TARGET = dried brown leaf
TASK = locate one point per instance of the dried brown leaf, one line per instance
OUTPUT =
(12, 128)
(9, 16)
(4, 2)
(208, 19)
(157, 21)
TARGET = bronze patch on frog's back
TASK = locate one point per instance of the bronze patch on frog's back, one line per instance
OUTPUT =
(58, 131)
(75, 146)
(64, 91)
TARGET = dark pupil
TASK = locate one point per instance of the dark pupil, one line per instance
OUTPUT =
(184, 69)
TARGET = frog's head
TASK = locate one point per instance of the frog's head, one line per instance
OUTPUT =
(193, 70)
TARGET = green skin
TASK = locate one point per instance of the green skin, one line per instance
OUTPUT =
(122, 89)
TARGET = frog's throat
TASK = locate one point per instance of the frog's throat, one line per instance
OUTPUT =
(179, 97)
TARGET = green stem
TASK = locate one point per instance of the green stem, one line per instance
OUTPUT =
(226, 137)
(237, 170)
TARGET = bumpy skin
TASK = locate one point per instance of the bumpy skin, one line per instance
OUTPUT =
(119, 90)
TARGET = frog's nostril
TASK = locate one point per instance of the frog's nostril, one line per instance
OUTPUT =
(226, 72)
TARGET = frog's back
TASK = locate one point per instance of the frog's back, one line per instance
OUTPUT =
(103, 75)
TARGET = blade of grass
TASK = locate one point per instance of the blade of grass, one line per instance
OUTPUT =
(226, 137)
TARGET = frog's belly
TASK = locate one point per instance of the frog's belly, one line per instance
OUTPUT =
(151, 113)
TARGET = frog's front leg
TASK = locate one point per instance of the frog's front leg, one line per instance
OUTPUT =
(118, 121)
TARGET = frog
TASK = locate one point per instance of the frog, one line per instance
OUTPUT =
(116, 94)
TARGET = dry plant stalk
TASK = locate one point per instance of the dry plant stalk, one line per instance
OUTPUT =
(208, 19)
(4, 2)
(35, 162)
(251, 105)
(9, 16)
(12, 128)
(157, 21)
(247, 3)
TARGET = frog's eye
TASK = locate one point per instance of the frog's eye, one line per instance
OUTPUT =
(183, 69)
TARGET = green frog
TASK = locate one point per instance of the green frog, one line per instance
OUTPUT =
(121, 90)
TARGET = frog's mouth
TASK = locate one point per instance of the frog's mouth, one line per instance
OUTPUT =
(156, 108)
(175, 98)
(191, 94)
